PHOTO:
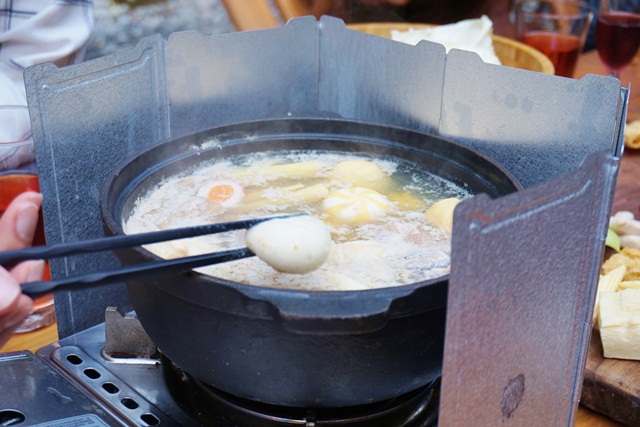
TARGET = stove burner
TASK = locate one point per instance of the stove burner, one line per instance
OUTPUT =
(210, 406)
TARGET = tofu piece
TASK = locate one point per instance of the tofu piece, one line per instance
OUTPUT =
(619, 321)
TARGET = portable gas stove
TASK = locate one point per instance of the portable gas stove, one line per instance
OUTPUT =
(110, 375)
(539, 127)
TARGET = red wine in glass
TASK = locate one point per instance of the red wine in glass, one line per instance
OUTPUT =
(617, 39)
(563, 50)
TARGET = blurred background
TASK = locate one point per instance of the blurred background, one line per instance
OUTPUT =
(120, 23)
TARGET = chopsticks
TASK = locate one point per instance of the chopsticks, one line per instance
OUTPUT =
(134, 271)
(36, 289)
(126, 241)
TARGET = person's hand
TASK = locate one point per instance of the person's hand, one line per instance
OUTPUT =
(17, 226)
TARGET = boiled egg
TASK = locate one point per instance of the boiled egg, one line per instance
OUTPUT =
(295, 245)
(440, 214)
(225, 192)
(355, 205)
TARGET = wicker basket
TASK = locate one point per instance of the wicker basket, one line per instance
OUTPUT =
(510, 52)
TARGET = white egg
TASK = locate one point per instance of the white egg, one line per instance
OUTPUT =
(295, 245)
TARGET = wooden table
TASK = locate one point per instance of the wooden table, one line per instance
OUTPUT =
(627, 195)
(627, 198)
(32, 341)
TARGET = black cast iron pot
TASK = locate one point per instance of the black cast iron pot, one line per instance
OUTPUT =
(284, 347)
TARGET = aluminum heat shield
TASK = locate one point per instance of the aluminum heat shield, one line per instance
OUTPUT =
(89, 117)
(524, 274)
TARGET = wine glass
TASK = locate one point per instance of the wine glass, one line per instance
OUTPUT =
(617, 34)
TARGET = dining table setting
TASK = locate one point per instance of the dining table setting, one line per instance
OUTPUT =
(611, 391)
(613, 385)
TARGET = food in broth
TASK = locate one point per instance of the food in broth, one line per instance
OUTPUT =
(295, 245)
(378, 212)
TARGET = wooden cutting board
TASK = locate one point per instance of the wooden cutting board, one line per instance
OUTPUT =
(612, 386)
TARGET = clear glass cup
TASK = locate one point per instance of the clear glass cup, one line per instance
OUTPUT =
(557, 28)
(17, 175)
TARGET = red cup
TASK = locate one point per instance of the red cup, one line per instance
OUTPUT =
(12, 184)
(16, 150)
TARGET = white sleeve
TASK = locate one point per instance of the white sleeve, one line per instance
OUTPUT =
(33, 32)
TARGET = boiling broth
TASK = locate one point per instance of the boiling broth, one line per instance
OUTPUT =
(380, 235)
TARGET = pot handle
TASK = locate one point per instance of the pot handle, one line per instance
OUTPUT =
(347, 315)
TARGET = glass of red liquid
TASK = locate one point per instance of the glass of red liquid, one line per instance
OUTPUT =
(617, 34)
(557, 28)
(17, 175)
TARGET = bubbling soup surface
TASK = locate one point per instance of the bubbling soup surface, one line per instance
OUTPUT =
(375, 208)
